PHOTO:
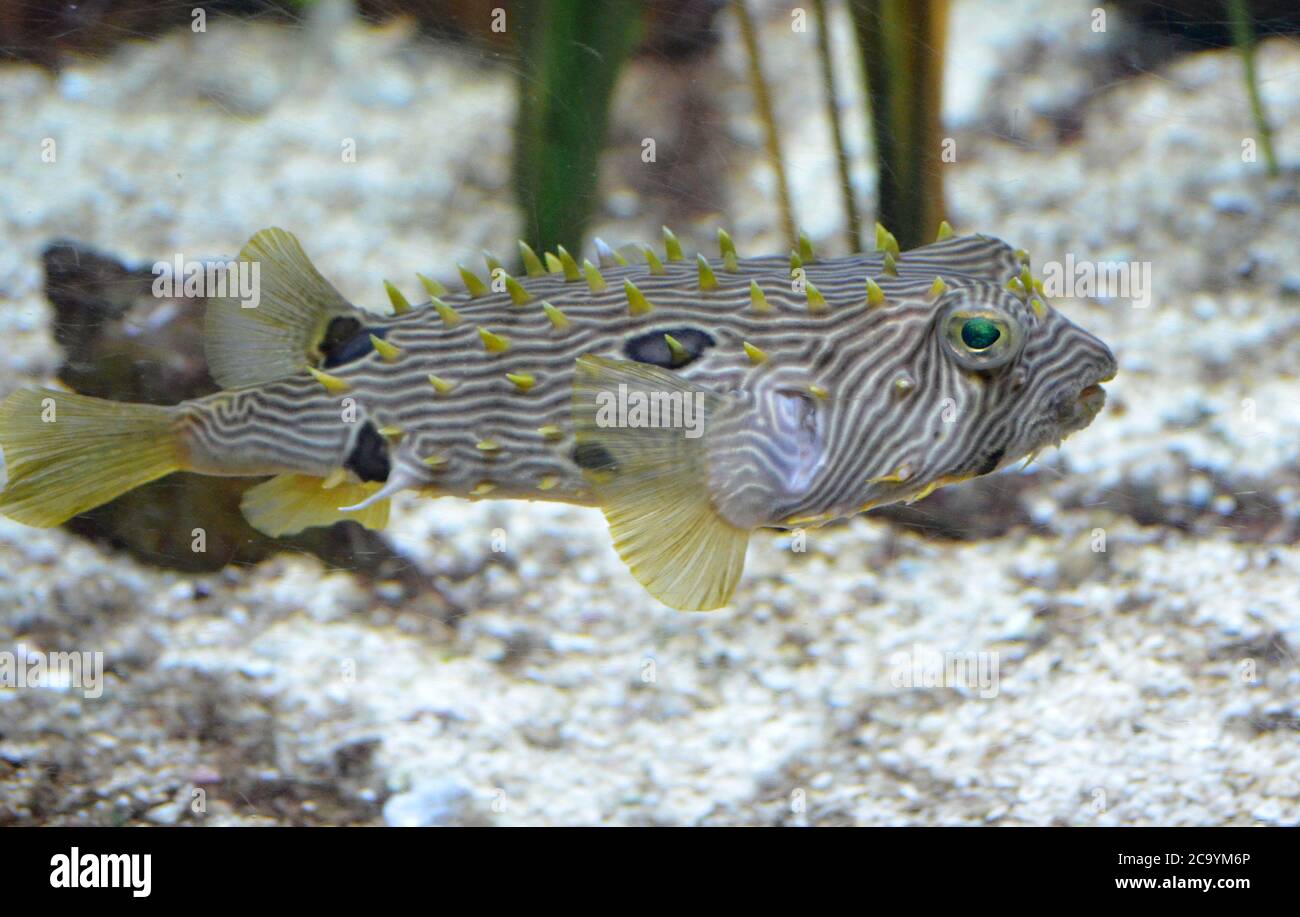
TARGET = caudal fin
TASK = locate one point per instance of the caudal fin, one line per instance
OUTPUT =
(62, 454)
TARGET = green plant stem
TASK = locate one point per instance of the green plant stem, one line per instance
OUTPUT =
(901, 43)
(852, 218)
(571, 53)
(763, 101)
(1243, 34)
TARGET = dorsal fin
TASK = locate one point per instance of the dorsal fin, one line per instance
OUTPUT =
(653, 482)
(282, 332)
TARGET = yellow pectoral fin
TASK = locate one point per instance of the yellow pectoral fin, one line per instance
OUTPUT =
(289, 503)
(652, 484)
(676, 545)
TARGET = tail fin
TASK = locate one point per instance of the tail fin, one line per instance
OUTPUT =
(282, 330)
(62, 454)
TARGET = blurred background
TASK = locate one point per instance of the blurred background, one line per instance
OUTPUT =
(1134, 596)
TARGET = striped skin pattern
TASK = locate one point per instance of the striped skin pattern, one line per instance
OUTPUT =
(883, 369)
(833, 385)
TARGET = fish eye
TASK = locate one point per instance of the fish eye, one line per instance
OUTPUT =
(982, 338)
(979, 333)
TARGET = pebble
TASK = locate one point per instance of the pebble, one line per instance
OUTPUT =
(435, 803)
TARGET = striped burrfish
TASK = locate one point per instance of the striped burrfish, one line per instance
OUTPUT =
(692, 400)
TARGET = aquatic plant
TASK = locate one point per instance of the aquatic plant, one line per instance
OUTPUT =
(1243, 34)
(570, 53)
(853, 221)
(763, 101)
(901, 45)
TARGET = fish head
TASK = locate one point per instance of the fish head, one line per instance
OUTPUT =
(1060, 374)
(998, 377)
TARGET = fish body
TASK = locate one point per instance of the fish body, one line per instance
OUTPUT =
(692, 400)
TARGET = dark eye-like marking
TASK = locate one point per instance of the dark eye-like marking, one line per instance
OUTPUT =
(593, 457)
(652, 347)
(990, 464)
(346, 339)
(369, 456)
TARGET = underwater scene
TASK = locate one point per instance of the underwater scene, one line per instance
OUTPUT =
(650, 413)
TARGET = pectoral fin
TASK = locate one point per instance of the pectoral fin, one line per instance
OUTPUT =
(289, 503)
(653, 482)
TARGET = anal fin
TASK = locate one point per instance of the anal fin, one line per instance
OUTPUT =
(289, 503)
(652, 483)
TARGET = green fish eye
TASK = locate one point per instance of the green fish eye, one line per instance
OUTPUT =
(979, 333)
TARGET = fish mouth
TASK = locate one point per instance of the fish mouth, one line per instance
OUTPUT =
(1073, 414)
(1092, 399)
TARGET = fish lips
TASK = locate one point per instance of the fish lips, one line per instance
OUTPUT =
(1092, 399)
(1075, 411)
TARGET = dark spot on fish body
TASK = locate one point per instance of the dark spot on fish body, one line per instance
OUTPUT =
(368, 459)
(339, 330)
(991, 463)
(593, 457)
(347, 340)
(652, 347)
